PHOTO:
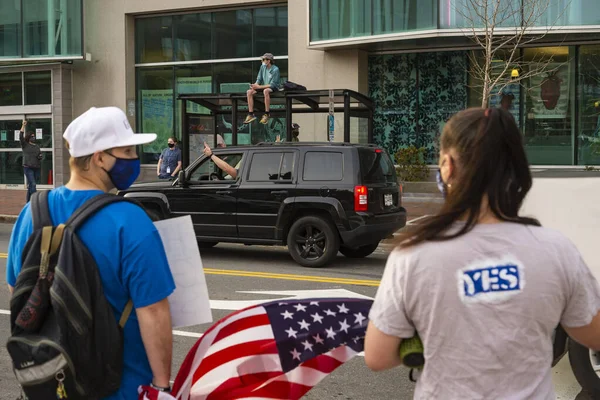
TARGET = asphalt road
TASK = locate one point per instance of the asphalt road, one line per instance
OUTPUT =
(232, 269)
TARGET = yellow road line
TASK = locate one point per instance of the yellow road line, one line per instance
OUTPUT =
(289, 277)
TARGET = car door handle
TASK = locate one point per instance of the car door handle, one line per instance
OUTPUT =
(279, 192)
(224, 192)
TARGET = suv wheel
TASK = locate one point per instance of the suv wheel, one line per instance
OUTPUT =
(312, 242)
(359, 252)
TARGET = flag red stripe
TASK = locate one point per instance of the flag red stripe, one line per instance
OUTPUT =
(322, 363)
(240, 325)
(186, 368)
(240, 385)
(228, 354)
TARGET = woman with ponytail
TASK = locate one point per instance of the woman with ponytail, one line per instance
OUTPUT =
(482, 286)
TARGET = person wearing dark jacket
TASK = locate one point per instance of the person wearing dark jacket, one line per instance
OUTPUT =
(32, 157)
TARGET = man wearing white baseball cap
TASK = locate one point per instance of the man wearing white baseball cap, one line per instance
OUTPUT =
(122, 240)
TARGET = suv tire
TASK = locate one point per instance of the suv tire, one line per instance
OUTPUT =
(359, 252)
(582, 360)
(313, 242)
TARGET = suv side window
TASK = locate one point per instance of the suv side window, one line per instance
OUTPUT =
(323, 166)
(206, 168)
(271, 167)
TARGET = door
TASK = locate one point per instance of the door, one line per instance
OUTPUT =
(11, 154)
(209, 198)
(268, 182)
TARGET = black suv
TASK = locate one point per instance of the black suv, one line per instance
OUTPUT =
(316, 198)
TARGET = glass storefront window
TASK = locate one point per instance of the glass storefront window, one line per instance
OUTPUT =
(211, 36)
(233, 34)
(461, 14)
(11, 89)
(234, 77)
(270, 31)
(38, 88)
(336, 19)
(588, 152)
(45, 124)
(11, 156)
(155, 109)
(570, 12)
(154, 39)
(193, 37)
(195, 79)
(11, 168)
(10, 28)
(46, 173)
(550, 105)
(52, 28)
(8, 139)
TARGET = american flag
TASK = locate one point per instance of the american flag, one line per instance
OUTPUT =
(275, 350)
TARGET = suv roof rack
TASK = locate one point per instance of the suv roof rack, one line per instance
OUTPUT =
(315, 144)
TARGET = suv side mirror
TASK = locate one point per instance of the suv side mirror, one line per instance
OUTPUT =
(181, 178)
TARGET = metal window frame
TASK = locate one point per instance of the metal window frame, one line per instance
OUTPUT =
(41, 58)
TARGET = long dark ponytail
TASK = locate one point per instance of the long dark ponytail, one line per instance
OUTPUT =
(491, 161)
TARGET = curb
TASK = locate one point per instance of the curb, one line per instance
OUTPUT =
(8, 219)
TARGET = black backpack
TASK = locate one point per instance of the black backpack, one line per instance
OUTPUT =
(289, 86)
(65, 341)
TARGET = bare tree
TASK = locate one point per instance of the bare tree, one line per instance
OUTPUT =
(500, 28)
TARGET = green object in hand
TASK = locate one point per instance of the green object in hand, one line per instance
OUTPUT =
(411, 352)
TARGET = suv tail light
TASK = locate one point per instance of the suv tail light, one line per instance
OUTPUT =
(360, 198)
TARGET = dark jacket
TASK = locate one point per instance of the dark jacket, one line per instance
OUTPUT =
(31, 153)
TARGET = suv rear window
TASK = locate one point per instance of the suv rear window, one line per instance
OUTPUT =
(376, 166)
(323, 166)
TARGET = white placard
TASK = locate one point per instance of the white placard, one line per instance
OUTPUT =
(38, 133)
(189, 303)
(17, 136)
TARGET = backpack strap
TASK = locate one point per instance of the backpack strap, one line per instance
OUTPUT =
(126, 313)
(40, 211)
(84, 212)
(92, 206)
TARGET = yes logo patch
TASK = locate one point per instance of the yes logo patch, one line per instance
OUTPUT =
(491, 280)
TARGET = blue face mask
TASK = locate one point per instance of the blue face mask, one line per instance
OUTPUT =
(124, 172)
(440, 183)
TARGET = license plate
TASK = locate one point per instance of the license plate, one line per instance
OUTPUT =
(388, 201)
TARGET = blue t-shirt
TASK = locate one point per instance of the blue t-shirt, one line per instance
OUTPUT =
(170, 158)
(131, 261)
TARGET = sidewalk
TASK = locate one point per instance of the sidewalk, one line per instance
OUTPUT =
(12, 201)
(11, 204)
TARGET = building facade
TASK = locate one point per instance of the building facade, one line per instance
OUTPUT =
(60, 57)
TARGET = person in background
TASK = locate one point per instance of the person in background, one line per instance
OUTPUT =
(32, 157)
(124, 242)
(267, 81)
(507, 100)
(170, 161)
(479, 282)
(295, 134)
(220, 141)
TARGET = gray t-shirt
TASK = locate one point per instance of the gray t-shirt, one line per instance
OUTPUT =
(485, 306)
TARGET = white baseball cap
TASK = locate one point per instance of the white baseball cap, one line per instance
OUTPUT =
(100, 129)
